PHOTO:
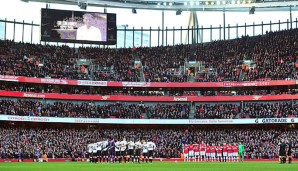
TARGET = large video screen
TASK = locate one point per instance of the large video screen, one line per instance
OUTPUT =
(78, 27)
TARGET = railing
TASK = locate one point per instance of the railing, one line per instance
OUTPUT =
(224, 33)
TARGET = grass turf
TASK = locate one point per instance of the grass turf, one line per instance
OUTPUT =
(156, 166)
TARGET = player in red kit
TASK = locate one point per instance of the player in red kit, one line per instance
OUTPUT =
(191, 153)
(213, 149)
(230, 152)
(224, 152)
(235, 152)
(203, 151)
(197, 151)
(219, 153)
(208, 152)
(186, 150)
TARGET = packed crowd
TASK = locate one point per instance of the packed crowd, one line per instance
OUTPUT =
(280, 91)
(37, 61)
(92, 110)
(120, 61)
(64, 143)
(169, 111)
(222, 61)
(217, 111)
(80, 109)
(273, 55)
(246, 110)
(270, 110)
(158, 63)
(70, 109)
(55, 62)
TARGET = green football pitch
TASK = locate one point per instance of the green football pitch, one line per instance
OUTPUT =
(156, 166)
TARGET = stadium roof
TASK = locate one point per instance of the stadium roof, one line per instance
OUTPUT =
(185, 5)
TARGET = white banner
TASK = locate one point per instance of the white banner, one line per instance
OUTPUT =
(53, 81)
(275, 120)
(92, 83)
(9, 78)
(148, 121)
(136, 84)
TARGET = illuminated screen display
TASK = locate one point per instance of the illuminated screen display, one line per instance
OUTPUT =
(78, 27)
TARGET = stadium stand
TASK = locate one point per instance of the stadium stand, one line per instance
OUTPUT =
(269, 57)
(126, 110)
(260, 58)
(66, 143)
(247, 110)
(91, 110)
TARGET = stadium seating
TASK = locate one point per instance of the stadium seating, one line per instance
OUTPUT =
(247, 110)
(125, 110)
(91, 110)
(269, 57)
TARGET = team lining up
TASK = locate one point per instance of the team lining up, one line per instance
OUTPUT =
(123, 151)
(221, 152)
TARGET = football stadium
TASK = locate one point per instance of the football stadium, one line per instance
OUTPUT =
(159, 85)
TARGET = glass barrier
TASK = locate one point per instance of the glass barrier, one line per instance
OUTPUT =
(152, 37)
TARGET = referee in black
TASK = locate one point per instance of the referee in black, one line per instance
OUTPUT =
(296, 151)
(289, 152)
(282, 151)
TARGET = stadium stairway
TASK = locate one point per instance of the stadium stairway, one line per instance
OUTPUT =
(192, 111)
(191, 79)
(140, 70)
(145, 116)
(142, 77)
(248, 63)
(294, 69)
(91, 68)
(241, 76)
(192, 53)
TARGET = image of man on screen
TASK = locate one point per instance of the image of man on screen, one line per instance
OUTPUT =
(87, 31)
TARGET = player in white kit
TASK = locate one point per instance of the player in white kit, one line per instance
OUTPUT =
(123, 145)
(99, 149)
(131, 147)
(117, 150)
(138, 146)
(151, 148)
(145, 152)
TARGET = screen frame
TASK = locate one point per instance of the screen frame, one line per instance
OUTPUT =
(108, 41)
